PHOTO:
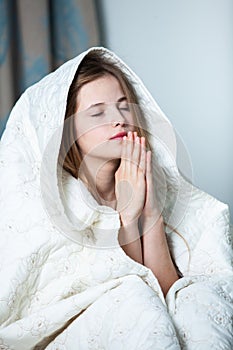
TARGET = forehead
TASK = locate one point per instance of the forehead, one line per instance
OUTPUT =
(105, 89)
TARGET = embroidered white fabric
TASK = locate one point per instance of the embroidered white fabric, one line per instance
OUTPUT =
(66, 282)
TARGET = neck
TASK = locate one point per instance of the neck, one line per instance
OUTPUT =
(99, 178)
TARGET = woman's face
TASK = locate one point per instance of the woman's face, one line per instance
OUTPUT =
(102, 112)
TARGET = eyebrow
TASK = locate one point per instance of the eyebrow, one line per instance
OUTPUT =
(123, 98)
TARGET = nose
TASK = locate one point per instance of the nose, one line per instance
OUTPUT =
(115, 123)
(117, 117)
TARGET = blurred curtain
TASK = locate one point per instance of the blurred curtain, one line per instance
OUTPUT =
(36, 36)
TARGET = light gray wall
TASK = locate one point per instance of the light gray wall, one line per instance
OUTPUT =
(183, 52)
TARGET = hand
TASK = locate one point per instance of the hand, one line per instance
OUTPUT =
(150, 213)
(130, 183)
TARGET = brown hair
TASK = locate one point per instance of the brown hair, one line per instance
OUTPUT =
(94, 66)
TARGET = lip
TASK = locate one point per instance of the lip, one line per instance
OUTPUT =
(119, 135)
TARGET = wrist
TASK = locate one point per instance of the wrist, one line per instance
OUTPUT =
(129, 231)
(151, 218)
(151, 222)
(127, 222)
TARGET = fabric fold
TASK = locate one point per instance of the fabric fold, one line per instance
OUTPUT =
(60, 255)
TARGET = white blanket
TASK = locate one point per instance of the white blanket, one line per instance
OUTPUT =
(65, 281)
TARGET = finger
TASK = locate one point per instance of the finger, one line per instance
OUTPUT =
(142, 163)
(129, 150)
(148, 163)
(123, 154)
(136, 154)
(149, 168)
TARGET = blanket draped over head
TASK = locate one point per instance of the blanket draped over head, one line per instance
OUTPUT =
(66, 283)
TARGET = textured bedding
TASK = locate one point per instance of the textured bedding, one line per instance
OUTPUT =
(65, 281)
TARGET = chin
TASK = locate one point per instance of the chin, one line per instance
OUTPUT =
(106, 151)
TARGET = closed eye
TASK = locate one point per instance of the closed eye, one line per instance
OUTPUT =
(125, 108)
(97, 114)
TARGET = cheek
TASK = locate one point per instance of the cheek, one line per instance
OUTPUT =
(90, 139)
(132, 121)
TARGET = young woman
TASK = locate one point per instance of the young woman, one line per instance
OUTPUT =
(97, 222)
(117, 169)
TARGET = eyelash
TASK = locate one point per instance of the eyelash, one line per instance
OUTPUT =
(124, 108)
(98, 114)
